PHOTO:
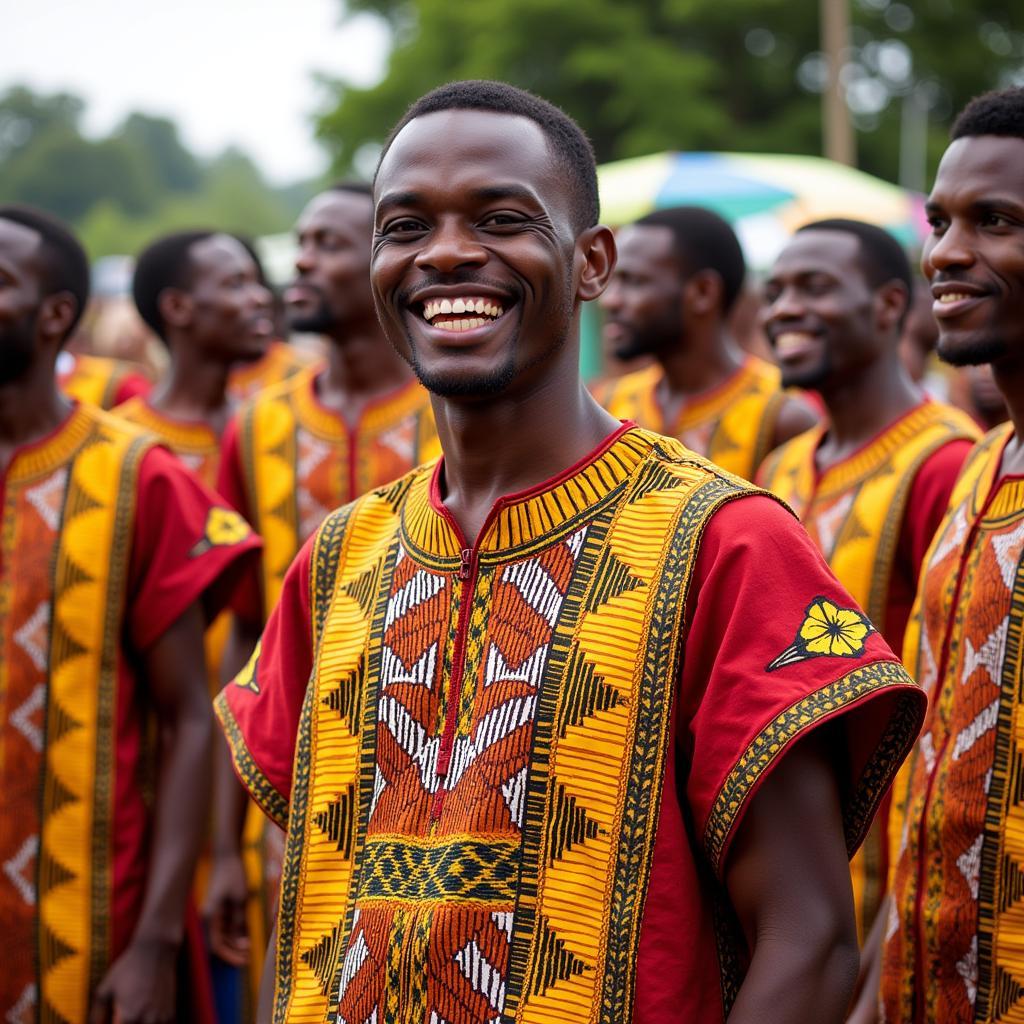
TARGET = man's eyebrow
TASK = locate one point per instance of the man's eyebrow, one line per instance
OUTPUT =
(391, 199)
(492, 192)
(997, 204)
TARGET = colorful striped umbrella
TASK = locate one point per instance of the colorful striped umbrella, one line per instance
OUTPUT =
(765, 196)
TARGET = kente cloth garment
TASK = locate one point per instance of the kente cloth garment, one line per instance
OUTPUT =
(733, 424)
(279, 363)
(873, 515)
(289, 460)
(98, 381)
(955, 949)
(490, 760)
(105, 541)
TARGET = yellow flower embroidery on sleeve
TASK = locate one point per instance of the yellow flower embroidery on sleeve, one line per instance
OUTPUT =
(224, 527)
(246, 679)
(827, 631)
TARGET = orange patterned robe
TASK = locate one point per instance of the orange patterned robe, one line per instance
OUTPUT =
(955, 949)
(279, 363)
(733, 424)
(100, 381)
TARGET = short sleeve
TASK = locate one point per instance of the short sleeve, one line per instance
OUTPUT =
(188, 546)
(259, 711)
(247, 603)
(775, 648)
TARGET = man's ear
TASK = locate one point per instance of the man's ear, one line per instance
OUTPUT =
(56, 314)
(703, 292)
(175, 307)
(595, 258)
(891, 302)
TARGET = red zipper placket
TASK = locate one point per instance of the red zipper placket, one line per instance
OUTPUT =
(922, 833)
(468, 567)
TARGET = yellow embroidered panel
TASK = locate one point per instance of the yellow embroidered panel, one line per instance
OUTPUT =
(73, 511)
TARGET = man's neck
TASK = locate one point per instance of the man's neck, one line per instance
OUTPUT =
(361, 366)
(862, 405)
(30, 408)
(707, 360)
(194, 389)
(501, 446)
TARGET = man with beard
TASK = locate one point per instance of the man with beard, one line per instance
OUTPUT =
(871, 487)
(112, 559)
(956, 931)
(508, 789)
(678, 276)
(201, 293)
(294, 454)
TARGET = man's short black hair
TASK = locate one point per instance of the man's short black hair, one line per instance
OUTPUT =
(569, 144)
(882, 258)
(703, 241)
(992, 113)
(164, 263)
(65, 263)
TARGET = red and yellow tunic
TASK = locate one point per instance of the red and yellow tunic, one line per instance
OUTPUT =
(98, 381)
(733, 424)
(279, 363)
(510, 773)
(105, 541)
(873, 515)
(289, 460)
(955, 949)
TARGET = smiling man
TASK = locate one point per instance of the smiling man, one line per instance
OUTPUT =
(872, 486)
(677, 279)
(957, 928)
(568, 725)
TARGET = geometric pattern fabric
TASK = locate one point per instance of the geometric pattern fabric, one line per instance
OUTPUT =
(959, 885)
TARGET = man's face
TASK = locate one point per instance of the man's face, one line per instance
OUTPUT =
(819, 310)
(974, 257)
(332, 269)
(473, 251)
(20, 297)
(643, 304)
(231, 308)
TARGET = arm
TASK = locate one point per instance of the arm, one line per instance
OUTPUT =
(865, 1005)
(227, 890)
(141, 982)
(789, 881)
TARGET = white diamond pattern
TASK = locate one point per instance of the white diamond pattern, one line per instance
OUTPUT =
(22, 717)
(1007, 548)
(46, 497)
(15, 869)
(31, 636)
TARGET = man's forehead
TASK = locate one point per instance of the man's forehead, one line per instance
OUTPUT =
(817, 250)
(645, 242)
(335, 208)
(18, 240)
(433, 147)
(220, 250)
(980, 164)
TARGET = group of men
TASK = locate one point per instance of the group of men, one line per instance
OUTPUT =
(582, 720)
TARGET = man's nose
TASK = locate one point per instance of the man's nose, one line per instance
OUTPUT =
(450, 245)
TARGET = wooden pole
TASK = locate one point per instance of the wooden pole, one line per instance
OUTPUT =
(840, 144)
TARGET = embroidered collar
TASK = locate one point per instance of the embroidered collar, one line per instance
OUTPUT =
(522, 522)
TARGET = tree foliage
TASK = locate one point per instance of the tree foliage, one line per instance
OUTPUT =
(688, 74)
(120, 191)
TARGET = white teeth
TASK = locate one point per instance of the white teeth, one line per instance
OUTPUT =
(445, 307)
(790, 341)
(952, 297)
(466, 324)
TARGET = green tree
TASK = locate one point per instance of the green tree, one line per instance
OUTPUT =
(688, 74)
(169, 163)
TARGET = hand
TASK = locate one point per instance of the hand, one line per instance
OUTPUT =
(225, 910)
(140, 986)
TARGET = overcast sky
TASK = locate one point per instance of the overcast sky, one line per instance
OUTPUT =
(228, 71)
